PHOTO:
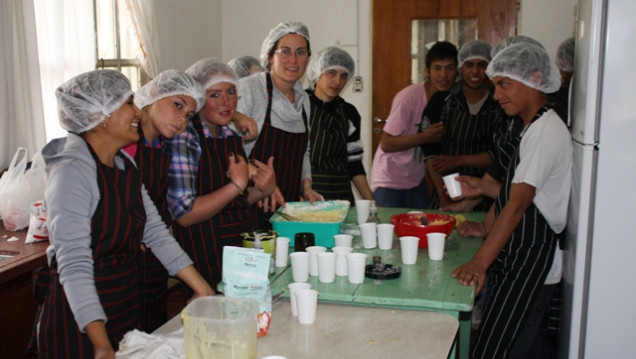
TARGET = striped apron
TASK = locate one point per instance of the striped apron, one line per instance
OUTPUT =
(116, 230)
(204, 241)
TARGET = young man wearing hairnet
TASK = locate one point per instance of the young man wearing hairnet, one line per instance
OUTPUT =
(520, 253)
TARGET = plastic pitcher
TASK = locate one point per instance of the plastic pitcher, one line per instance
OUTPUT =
(220, 327)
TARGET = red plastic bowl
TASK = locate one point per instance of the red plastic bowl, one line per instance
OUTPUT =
(410, 224)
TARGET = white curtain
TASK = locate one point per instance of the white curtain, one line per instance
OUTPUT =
(66, 44)
(21, 114)
(140, 13)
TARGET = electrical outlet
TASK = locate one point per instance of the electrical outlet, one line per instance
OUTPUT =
(357, 84)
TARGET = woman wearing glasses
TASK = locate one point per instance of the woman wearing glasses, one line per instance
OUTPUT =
(276, 100)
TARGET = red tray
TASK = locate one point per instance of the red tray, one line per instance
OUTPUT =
(410, 224)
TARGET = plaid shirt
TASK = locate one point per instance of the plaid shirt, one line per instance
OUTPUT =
(185, 149)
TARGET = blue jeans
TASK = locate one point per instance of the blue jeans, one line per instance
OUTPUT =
(415, 198)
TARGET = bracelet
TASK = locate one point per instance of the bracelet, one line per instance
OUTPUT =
(237, 187)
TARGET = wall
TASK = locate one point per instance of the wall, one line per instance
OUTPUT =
(548, 21)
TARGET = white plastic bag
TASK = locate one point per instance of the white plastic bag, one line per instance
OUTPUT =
(21, 187)
(38, 230)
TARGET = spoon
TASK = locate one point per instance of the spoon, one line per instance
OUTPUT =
(424, 221)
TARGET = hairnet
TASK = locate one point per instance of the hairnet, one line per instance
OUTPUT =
(511, 40)
(565, 55)
(476, 49)
(87, 99)
(242, 65)
(170, 83)
(276, 33)
(330, 58)
(211, 71)
(521, 61)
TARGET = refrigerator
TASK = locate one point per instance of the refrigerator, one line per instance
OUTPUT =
(599, 273)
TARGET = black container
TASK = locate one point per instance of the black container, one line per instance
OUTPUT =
(303, 240)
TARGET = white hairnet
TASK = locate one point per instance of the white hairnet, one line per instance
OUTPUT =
(170, 83)
(565, 55)
(521, 61)
(330, 58)
(276, 33)
(476, 49)
(87, 99)
(242, 65)
(511, 40)
(211, 71)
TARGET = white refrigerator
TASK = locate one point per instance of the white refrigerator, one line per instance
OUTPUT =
(599, 274)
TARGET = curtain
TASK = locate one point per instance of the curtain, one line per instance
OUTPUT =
(21, 113)
(140, 14)
(66, 45)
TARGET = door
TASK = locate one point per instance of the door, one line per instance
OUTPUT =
(392, 57)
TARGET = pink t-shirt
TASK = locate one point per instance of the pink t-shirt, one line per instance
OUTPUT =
(401, 170)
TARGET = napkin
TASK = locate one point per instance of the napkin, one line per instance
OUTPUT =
(137, 344)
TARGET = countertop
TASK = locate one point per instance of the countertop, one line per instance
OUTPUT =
(25, 257)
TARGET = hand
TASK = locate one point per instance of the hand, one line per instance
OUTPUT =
(471, 229)
(459, 206)
(265, 178)
(471, 186)
(246, 125)
(444, 163)
(238, 171)
(471, 273)
(312, 196)
(269, 204)
(434, 133)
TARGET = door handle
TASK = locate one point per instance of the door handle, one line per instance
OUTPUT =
(378, 120)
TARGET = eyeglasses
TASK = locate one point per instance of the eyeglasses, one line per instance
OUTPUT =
(286, 52)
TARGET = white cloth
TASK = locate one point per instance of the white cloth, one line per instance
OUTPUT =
(140, 345)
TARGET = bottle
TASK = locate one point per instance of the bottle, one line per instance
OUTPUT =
(373, 214)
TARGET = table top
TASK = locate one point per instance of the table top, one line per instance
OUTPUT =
(424, 285)
(21, 258)
(346, 331)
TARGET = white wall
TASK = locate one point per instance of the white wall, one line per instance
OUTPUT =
(548, 21)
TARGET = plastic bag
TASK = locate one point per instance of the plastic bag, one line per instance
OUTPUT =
(21, 187)
(38, 230)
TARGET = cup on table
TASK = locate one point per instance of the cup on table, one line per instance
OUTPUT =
(356, 263)
(436, 243)
(303, 240)
(313, 260)
(306, 304)
(368, 232)
(408, 248)
(326, 267)
(293, 287)
(282, 251)
(385, 235)
(300, 266)
(453, 187)
(341, 259)
(343, 240)
(362, 210)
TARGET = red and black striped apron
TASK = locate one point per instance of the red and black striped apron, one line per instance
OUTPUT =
(288, 149)
(116, 231)
(204, 241)
(517, 274)
(153, 164)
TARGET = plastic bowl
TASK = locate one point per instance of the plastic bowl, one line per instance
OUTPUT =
(410, 224)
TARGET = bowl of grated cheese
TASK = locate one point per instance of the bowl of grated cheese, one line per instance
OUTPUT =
(410, 224)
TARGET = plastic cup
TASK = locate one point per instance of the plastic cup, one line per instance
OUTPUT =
(306, 303)
(436, 243)
(408, 248)
(385, 236)
(313, 260)
(453, 187)
(343, 240)
(326, 267)
(362, 210)
(300, 266)
(292, 297)
(368, 231)
(282, 251)
(355, 267)
(341, 259)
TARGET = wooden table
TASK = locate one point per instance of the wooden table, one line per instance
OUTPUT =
(427, 285)
(345, 331)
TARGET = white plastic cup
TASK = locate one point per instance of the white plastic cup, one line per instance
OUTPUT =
(343, 240)
(355, 267)
(362, 210)
(436, 243)
(300, 266)
(368, 231)
(326, 267)
(453, 187)
(293, 287)
(313, 260)
(282, 251)
(341, 259)
(385, 236)
(408, 248)
(306, 303)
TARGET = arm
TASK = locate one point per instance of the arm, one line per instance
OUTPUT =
(195, 281)
(445, 163)
(246, 125)
(308, 194)
(431, 134)
(96, 332)
(361, 184)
